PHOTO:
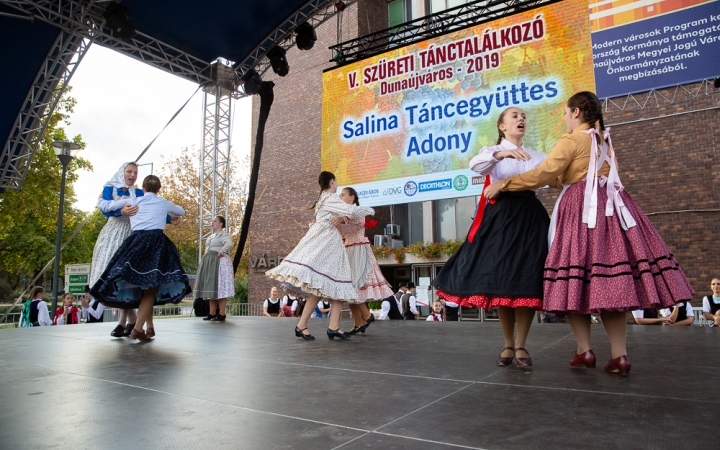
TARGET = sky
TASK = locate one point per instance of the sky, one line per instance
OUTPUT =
(122, 104)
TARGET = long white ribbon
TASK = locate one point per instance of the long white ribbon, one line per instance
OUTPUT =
(612, 184)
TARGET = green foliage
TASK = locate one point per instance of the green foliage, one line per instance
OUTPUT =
(28, 217)
(430, 250)
(377, 304)
(241, 290)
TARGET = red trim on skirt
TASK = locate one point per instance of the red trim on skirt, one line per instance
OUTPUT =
(488, 302)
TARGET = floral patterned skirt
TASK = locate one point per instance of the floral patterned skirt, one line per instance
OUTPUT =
(111, 237)
(226, 280)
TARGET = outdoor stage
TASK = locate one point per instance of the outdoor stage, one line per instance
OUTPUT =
(250, 383)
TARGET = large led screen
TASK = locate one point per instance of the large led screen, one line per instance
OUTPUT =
(402, 126)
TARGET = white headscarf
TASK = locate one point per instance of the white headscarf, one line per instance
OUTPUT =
(118, 180)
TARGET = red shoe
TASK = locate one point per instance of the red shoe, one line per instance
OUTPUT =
(620, 365)
(139, 335)
(504, 361)
(587, 359)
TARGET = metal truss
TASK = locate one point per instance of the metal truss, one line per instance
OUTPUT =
(315, 12)
(84, 17)
(417, 30)
(39, 105)
(659, 97)
(214, 160)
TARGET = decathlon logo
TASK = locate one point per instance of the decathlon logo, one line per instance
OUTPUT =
(460, 183)
(392, 191)
(410, 188)
(438, 185)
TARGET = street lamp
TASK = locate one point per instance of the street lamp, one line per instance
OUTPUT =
(65, 151)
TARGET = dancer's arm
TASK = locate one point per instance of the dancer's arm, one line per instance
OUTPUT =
(339, 208)
(384, 310)
(108, 205)
(488, 157)
(175, 210)
(547, 173)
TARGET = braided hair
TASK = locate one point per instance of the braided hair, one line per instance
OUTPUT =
(501, 119)
(324, 181)
(591, 109)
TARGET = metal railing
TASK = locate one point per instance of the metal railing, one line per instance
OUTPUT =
(165, 311)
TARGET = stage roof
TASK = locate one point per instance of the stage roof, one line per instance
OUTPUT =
(199, 32)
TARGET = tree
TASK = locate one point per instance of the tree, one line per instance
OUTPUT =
(180, 180)
(28, 217)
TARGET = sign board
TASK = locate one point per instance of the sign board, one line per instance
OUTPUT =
(403, 125)
(77, 277)
(650, 44)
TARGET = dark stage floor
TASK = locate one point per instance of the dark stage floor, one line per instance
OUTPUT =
(249, 383)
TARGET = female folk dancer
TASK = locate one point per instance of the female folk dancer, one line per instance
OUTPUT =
(114, 203)
(146, 269)
(366, 275)
(318, 266)
(215, 280)
(500, 265)
(606, 260)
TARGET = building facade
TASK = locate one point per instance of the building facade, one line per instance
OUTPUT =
(667, 144)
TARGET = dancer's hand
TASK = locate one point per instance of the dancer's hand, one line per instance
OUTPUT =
(518, 153)
(493, 190)
(335, 221)
(175, 220)
(129, 210)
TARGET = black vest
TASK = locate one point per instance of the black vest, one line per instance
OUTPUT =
(405, 302)
(713, 306)
(451, 313)
(289, 301)
(650, 314)
(273, 308)
(34, 312)
(93, 305)
(394, 313)
(682, 311)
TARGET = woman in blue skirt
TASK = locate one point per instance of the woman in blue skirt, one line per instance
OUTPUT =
(146, 269)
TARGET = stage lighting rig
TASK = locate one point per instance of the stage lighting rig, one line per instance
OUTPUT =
(252, 83)
(278, 61)
(305, 36)
(117, 20)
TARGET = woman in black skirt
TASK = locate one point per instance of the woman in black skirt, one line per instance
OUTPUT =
(146, 269)
(500, 265)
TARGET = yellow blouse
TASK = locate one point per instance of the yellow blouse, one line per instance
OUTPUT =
(567, 163)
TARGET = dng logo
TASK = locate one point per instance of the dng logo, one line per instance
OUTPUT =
(392, 191)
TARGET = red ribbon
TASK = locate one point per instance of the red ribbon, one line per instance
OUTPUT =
(481, 209)
(370, 223)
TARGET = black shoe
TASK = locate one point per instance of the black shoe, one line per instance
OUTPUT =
(354, 330)
(370, 320)
(332, 334)
(307, 337)
(118, 331)
(128, 329)
(209, 317)
(218, 318)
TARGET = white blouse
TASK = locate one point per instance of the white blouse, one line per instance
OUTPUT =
(485, 163)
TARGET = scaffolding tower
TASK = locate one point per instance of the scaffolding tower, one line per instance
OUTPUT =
(214, 167)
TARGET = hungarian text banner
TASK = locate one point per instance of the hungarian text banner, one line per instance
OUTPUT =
(650, 44)
(402, 126)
